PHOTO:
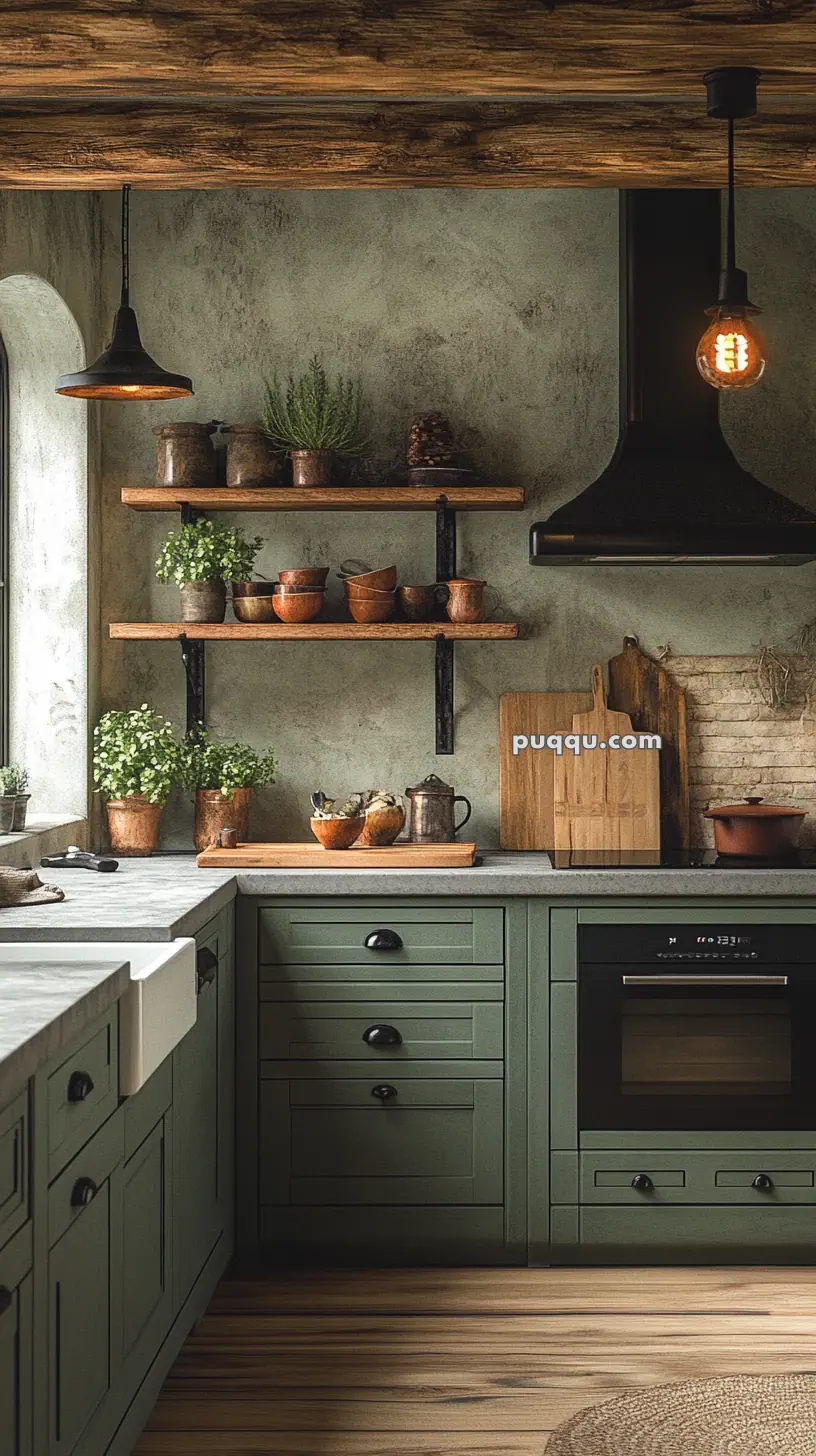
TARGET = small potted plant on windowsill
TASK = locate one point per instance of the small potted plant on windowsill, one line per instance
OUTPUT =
(137, 761)
(201, 558)
(222, 776)
(314, 420)
(13, 799)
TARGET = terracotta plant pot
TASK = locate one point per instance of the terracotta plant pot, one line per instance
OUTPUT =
(337, 833)
(382, 826)
(214, 812)
(253, 463)
(133, 825)
(204, 601)
(312, 467)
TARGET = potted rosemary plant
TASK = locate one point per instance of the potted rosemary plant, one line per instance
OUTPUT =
(222, 776)
(201, 558)
(137, 761)
(13, 798)
(315, 419)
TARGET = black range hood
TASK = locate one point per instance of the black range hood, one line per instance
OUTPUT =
(673, 493)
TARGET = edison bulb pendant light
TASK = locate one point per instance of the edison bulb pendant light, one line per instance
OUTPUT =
(731, 352)
(125, 370)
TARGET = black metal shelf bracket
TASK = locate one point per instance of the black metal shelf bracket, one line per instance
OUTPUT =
(193, 658)
(444, 668)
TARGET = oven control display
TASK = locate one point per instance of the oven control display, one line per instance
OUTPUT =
(725, 942)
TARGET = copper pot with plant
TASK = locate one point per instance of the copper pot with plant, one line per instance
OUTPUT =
(201, 557)
(223, 777)
(137, 762)
(315, 420)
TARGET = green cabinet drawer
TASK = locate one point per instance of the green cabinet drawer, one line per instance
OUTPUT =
(14, 1152)
(433, 935)
(678, 1235)
(401, 983)
(82, 1092)
(688, 1176)
(338, 1143)
(325, 1031)
(386, 1236)
(16, 1348)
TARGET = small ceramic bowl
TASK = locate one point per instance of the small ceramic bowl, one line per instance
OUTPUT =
(337, 833)
(254, 608)
(383, 580)
(252, 588)
(314, 576)
(363, 611)
(297, 605)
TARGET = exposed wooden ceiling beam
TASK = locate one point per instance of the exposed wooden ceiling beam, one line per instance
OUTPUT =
(252, 143)
(399, 47)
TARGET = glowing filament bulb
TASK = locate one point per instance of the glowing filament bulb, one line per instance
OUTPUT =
(731, 353)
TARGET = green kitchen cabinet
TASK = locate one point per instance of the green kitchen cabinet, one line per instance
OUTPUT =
(79, 1312)
(144, 1187)
(14, 1170)
(341, 934)
(16, 1348)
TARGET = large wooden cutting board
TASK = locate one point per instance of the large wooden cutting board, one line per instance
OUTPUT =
(643, 689)
(526, 778)
(607, 801)
(313, 856)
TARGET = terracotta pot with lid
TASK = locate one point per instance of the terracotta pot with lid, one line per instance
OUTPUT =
(755, 829)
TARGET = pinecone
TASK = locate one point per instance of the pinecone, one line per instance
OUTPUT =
(430, 442)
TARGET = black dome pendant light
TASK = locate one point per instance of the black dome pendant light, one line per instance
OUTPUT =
(125, 370)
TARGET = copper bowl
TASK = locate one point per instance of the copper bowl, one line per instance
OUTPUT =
(383, 580)
(297, 605)
(367, 593)
(363, 611)
(254, 608)
(337, 833)
(252, 588)
(314, 576)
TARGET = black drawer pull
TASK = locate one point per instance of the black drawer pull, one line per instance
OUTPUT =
(381, 1035)
(83, 1192)
(206, 967)
(384, 1092)
(383, 940)
(5, 1301)
(80, 1086)
(763, 1183)
(642, 1183)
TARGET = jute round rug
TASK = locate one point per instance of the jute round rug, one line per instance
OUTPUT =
(743, 1415)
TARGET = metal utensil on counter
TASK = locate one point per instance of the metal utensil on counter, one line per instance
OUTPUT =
(433, 811)
(74, 858)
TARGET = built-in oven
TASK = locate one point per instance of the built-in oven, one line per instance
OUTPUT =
(697, 1027)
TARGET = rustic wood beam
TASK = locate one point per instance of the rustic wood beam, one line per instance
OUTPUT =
(252, 143)
(398, 47)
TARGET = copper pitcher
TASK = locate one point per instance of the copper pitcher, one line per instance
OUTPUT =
(433, 812)
(466, 602)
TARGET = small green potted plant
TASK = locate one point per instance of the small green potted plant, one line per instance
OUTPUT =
(201, 558)
(314, 420)
(222, 776)
(137, 761)
(13, 798)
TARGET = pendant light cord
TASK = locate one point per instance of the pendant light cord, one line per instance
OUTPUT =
(125, 302)
(731, 259)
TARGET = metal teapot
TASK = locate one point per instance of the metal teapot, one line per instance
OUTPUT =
(432, 812)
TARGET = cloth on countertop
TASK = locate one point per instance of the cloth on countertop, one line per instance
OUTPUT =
(24, 887)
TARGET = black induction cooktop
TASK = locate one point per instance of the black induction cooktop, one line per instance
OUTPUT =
(680, 859)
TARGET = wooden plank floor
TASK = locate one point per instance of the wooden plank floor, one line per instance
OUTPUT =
(416, 1362)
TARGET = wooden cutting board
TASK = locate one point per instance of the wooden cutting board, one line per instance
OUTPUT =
(643, 689)
(607, 801)
(526, 779)
(313, 856)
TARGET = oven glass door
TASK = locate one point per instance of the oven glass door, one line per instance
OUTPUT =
(684, 1049)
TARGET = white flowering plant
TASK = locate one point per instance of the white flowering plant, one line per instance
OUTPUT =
(207, 551)
(136, 752)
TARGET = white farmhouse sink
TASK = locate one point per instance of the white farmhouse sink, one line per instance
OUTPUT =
(156, 1011)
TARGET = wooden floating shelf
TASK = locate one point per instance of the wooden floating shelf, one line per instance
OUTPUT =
(363, 498)
(314, 631)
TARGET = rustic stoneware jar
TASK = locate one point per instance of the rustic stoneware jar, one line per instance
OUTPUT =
(186, 455)
(433, 813)
(252, 460)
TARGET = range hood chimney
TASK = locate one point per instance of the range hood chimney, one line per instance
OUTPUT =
(673, 493)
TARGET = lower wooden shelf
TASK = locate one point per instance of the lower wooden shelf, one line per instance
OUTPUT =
(315, 631)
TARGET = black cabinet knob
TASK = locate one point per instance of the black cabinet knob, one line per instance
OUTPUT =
(5, 1301)
(83, 1192)
(80, 1086)
(763, 1183)
(383, 940)
(380, 1035)
(206, 967)
(642, 1183)
(384, 1092)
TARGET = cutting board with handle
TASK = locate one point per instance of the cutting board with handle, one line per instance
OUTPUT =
(526, 777)
(643, 689)
(607, 800)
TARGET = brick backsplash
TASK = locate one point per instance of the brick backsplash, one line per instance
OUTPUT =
(739, 745)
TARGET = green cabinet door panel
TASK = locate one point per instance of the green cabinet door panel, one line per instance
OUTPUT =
(563, 1066)
(79, 1313)
(426, 980)
(389, 1236)
(336, 934)
(563, 945)
(14, 1134)
(73, 1119)
(337, 1143)
(323, 1031)
(143, 1187)
(672, 1234)
(16, 1407)
(147, 1107)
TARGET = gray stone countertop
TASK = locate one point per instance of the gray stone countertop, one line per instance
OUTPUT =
(43, 1007)
(168, 896)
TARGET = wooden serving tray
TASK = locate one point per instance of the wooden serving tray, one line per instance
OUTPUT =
(313, 856)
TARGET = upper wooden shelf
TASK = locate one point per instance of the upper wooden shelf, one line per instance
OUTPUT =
(314, 631)
(329, 498)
